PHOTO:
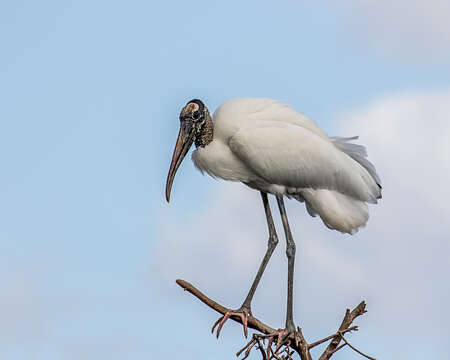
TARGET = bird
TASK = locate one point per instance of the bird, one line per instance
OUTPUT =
(270, 147)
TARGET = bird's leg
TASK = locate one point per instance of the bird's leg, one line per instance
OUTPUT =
(290, 253)
(289, 333)
(245, 310)
(271, 245)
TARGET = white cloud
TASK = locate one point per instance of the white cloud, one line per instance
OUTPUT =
(400, 28)
(399, 263)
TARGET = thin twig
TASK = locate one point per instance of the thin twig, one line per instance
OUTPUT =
(318, 342)
(245, 347)
(261, 348)
(358, 351)
(247, 352)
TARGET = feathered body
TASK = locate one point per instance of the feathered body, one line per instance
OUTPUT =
(269, 146)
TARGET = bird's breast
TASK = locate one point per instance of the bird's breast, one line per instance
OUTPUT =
(217, 160)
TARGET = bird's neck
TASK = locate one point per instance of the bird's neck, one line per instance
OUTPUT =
(205, 132)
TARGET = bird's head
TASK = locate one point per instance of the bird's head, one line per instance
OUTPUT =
(193, 118)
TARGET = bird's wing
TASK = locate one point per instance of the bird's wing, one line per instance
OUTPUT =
(294, 157)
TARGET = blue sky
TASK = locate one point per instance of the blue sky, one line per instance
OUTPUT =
(90, 94)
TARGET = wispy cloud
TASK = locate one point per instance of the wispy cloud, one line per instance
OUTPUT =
(416, 30)
(22, 313)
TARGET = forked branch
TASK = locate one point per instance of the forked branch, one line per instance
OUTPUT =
(298, 343)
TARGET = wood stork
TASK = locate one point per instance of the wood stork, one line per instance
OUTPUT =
(270, 147)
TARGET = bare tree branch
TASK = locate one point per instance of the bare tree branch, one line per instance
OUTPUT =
(339, 347)
(253, 322)
(318, 342)
(296, 341)
(346, 322)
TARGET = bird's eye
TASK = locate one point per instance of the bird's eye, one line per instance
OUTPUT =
(196, 115)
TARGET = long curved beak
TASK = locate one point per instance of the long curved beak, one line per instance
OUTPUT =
(184, 142)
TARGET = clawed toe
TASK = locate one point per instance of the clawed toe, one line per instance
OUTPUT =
(242, 313)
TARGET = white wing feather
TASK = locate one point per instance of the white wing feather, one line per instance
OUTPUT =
(297, 162)
(294, 157)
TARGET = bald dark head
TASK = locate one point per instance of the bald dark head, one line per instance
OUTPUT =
(193, 110)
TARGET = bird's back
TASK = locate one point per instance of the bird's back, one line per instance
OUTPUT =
(241, 112)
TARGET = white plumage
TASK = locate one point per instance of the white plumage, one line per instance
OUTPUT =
(267, 145)
(270, 147)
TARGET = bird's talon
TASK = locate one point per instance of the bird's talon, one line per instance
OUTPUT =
(283, 337)
(282, 334)
(215, 324)
(243, 313)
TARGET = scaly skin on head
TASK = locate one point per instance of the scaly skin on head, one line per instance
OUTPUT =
(198, 115)
(189, 109)
(205, 131)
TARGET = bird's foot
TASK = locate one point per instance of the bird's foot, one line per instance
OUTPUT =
(243, 313)
(284, 338)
